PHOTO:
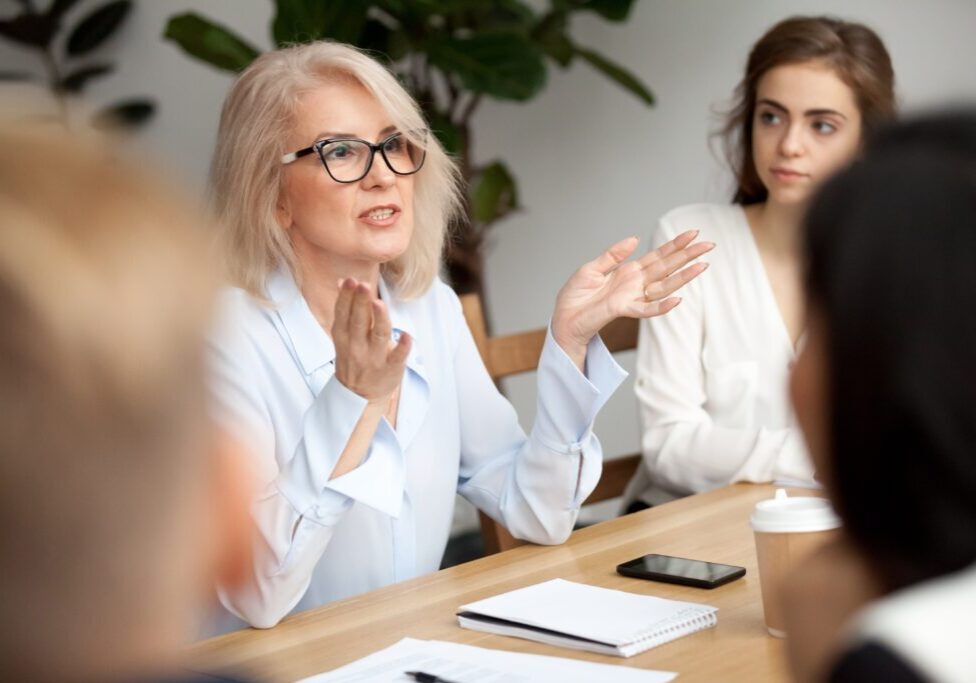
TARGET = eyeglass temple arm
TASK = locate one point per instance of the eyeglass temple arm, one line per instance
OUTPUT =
(295, 156)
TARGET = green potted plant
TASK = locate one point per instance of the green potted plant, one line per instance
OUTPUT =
(66, 60)
(450, 54)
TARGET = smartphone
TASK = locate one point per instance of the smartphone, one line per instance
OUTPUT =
(681, 570)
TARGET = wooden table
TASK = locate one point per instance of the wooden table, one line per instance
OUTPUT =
(711, 526)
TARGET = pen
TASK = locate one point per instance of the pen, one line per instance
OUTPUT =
(425, 677)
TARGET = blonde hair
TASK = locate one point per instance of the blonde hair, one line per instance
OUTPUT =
(105, 301)
(246, 175)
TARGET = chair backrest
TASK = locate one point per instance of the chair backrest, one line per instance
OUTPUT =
(514, 354)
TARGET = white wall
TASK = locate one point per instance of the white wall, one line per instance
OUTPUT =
(594, 165)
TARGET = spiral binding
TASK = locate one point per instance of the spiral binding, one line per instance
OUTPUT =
(676, 627)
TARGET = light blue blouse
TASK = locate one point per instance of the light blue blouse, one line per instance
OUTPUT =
(388, 520)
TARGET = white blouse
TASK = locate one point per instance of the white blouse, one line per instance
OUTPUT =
(322, 539)
(930, 625)
(712, 375)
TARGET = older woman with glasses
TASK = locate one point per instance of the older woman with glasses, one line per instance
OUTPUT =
(345, 363)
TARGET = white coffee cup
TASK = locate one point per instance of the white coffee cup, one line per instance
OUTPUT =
(787, 530)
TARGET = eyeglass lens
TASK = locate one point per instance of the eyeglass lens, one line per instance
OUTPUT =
(347, 160)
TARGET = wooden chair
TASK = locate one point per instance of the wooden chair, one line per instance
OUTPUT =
(514, 354)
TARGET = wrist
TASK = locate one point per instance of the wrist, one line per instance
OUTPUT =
(378, 402)
(570, 343)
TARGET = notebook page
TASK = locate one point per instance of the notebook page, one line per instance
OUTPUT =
(457, 662)
(601, 614)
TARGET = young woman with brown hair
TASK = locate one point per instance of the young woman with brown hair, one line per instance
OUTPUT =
(712, 375)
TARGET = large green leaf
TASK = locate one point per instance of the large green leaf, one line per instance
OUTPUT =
(503, 65)
(617, 73)
(302, 21)
(450, 137)
(550, 35)
(210, 42)
(494, 193)
(97, 27)
(31, 30)
(614, 10)
(489, 15)
(59, 7)
(379, 38)
(76, 80)
(127, 114)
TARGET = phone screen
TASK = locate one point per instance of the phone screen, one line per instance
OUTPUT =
(665, 567)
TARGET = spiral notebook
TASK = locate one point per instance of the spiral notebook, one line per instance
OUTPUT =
(584, 617)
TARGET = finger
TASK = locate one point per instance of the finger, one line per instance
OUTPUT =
(652, 309)
(657, 270)
(343, 305)
(398, 355)
(360, 317)
(656, 308)
(614, 256)
(676, 246)
(679, 242)
(671, 284)
(380, 334)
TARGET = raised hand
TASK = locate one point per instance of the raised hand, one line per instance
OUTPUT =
(610, 287)
(368, 363)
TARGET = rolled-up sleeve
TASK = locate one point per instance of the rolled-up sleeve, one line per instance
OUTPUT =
(535, 484)
(298, 505)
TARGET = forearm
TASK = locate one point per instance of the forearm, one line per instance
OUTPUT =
(695, 456)
(285, 550)
(359, 441)
(534, 485)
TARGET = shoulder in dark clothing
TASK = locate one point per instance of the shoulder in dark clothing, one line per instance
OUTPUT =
(873, 662)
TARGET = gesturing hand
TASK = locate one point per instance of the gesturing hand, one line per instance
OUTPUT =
(607, 288)
(368, 363)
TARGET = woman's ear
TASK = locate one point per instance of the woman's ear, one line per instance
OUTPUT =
(283, 211)
(231, 496)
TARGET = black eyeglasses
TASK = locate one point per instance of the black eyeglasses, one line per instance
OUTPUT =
(348, 160)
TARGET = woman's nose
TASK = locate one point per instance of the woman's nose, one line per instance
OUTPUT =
(791, 144)
(380, 174)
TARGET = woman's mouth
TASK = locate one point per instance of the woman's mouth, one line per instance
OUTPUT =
(788, 175)
(381, 216)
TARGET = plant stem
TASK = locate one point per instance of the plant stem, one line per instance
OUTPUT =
(469, 109)
(54, 83)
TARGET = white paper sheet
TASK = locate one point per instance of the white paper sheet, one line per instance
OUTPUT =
(798, 484)
(468, 664)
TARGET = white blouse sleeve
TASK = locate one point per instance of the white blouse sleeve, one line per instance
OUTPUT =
(682, 447)
(533, 485)
(298, 505)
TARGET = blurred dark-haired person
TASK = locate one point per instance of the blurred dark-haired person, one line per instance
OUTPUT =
(120, 506)
(885, 396)
(712, 375)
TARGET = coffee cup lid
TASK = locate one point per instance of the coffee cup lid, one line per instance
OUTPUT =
(796, 514)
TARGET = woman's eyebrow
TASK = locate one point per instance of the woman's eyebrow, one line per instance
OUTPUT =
(808, 112)
(823, 112)
(332, 134)
(774, 104)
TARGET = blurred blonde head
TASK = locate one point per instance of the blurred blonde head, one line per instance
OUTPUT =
(105, 298)
(247, 175)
